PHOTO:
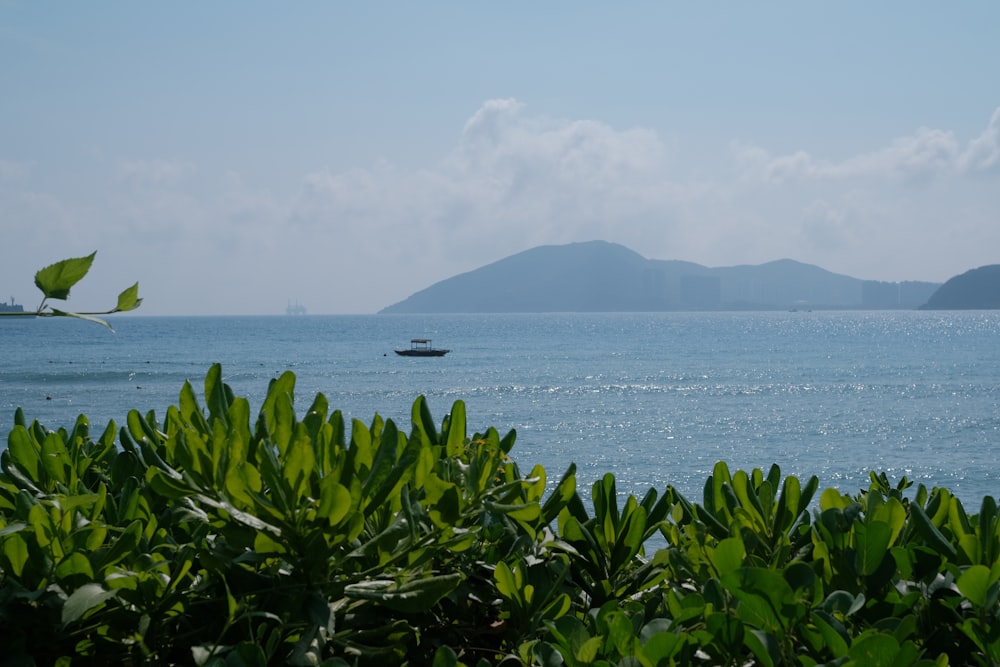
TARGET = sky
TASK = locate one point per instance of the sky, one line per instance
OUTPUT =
(235, 157)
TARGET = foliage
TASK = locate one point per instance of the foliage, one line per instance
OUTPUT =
(55, 282)
(219, 537)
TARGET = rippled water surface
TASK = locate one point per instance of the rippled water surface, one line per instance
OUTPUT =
(655, 398)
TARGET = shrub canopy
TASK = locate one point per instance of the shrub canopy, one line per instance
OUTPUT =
(221, 537)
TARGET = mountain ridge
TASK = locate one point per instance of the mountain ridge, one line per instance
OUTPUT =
(600, 276)
(976, 289)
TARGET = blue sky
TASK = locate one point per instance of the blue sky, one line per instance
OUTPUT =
(233, 156)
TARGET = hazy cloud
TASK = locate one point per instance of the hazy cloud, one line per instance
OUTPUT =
(924, 154)
(513, 181)
(983, 152)
(153, 172)
(358, 239)
(12, 171)
(516, 180)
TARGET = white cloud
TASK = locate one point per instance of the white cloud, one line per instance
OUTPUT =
(517, 180)
(922, 154)
(513, 181)
(927, 153)
(983, 152)
(354, 240)
(489, 121)
(30, 213)
(916, 208)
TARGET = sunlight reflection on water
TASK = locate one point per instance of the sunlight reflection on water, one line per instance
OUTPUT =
(655, 398)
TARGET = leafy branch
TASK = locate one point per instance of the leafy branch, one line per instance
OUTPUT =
(55, 282)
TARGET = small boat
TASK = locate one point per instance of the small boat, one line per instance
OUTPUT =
(421, 347)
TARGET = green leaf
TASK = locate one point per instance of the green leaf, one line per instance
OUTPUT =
(187, 403)
(764, 646)
(242, 482)
(55, 458)
(129, 299)
(166, 485)
(456, 430)
(894, 514)
(835, 638)
(299, 463)
(800, 576)
(520, 512)
(661, 646)
(15, 551)
(276, 409)
(546, 655)
(874, 649)
(873, 543)
(561, 495)
(83, 599)
(248, 654)
(42, 525)
(506, 583)
(763, 595)
(389, 473)
(749, 501)
(56, 279)
(605, 497)
(126, 543)
(445, 657)
(410, 597)
(420, 415)
(934, 538)
(265, 544)
(82, 316)
(832, 499)
(756, 611)
(974, 583)
(334, 501)
(729, 555)
(12, 528)
(628, 540)
(23, 453)
(215, 394)
(843, 602)
(621, 633)
(444, 502)
(558, 607)
(75, 564)
(587, 652)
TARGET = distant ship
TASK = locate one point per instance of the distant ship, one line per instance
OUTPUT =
(295, 309)
(11, 307)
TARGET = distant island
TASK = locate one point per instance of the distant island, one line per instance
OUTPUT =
(975, 289)
(598, 276)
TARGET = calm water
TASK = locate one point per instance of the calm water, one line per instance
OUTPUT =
(656, 399)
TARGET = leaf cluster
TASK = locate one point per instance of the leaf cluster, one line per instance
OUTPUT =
(216, 536)
(55, 282)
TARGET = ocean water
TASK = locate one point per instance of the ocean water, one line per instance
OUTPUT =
(655, 398)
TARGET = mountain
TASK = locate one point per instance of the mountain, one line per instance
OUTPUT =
(975, 289)
(597, 276)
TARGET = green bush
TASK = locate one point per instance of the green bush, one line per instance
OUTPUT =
(220, 537)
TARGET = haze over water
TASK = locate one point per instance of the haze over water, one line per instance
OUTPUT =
(655, 398)
(231, 155)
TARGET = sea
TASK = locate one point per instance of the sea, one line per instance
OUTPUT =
(654, 398)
